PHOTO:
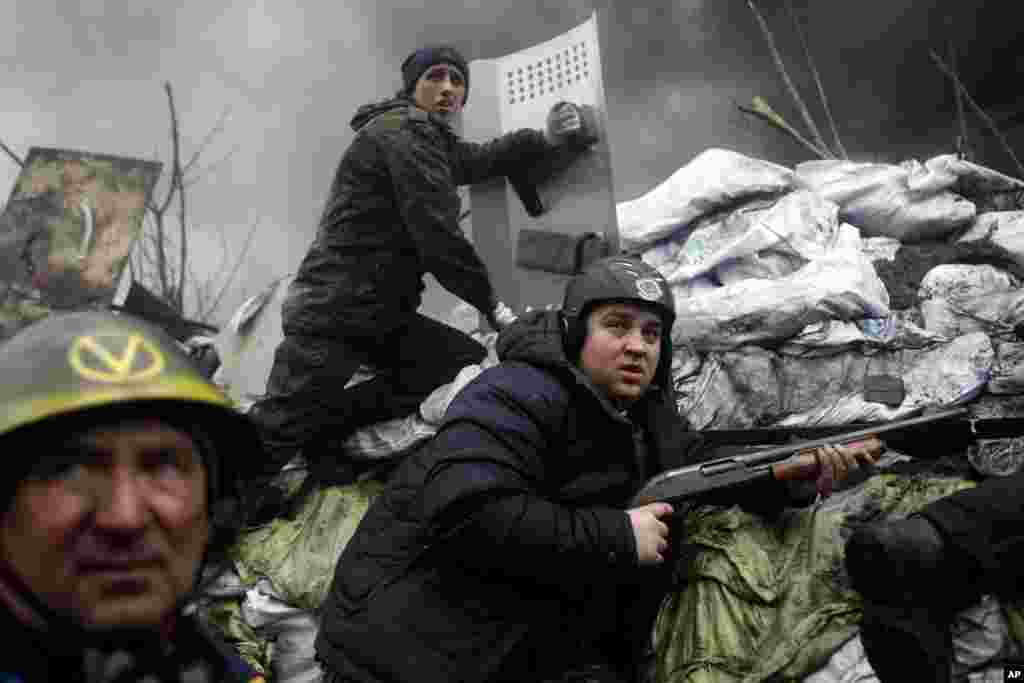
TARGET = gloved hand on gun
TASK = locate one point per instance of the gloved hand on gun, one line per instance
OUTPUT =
(826, 466)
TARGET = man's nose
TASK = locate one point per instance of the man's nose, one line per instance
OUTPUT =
(635, 342)
(121, 504)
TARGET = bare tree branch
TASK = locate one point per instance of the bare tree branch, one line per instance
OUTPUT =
(200, 173)
(766, 113)
(177, 185)
(961, 117)
(18, 160)
(234, 271)
(217, 128)
(817, 81)
(977, 110)
(804, 112)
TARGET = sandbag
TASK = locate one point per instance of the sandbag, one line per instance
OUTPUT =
(840, 285)
(898, 330)
(910, 201)
(880, 248)
(292, 630)
(394, 438)
(1008, 368)
(761, 238)
(956, 299)
(998, 457)
(756, 387)
(973, 181)
(298, 555)
(714, 180)
(247, 343)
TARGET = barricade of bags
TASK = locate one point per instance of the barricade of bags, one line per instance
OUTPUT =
(796, 289)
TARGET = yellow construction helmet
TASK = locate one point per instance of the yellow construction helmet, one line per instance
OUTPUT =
(92, 364)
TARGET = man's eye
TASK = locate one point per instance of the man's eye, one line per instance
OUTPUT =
(62, 471)
(64, 467)
(166, 463)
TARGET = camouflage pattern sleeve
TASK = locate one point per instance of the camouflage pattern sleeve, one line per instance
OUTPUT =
(425, 192)
(505, 156)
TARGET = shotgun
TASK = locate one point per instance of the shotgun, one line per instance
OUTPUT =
(785, 462)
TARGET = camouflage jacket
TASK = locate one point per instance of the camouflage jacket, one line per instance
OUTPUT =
(391, 217)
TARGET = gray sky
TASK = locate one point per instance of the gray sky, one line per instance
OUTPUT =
(88, 75)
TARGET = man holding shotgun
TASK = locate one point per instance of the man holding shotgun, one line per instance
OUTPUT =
(506, 550)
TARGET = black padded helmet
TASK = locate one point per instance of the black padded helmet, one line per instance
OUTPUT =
(618, 279)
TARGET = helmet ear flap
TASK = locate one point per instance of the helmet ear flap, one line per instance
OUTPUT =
(574, 334)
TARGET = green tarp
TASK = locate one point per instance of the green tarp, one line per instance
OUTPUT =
(770, 600)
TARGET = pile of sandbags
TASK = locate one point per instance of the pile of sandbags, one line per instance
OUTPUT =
(782, 317)
(785, 283)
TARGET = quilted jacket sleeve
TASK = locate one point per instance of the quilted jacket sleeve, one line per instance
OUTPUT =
(508, 155)
(486, 500)
(425, 192)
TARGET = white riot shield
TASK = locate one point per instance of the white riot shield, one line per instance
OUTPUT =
(517, 91)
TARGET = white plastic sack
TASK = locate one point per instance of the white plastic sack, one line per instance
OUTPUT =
(960, 298)
(842, 285)
(714, 180)
(698, 286)
(247, 343)
(1002, 228)
(762, 238)
(970, 179)
(754, 387)
(292, 629)
(880, 248)
(894, 331)
(1008, 369)
(909, 201)
(395, 437)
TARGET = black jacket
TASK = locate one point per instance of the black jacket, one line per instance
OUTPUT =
(392, 216)
(61, 652)
(503, 546)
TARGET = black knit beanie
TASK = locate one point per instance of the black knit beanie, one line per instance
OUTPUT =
(426, 57)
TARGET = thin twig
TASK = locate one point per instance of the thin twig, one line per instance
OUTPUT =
(234, 271)
(763, 111)
(978, 110)
(177, 184)
(157, 213)
(817, 81)
(217, 128)
(198, 174)
(804, 112)
(961, 117)
(18, 160)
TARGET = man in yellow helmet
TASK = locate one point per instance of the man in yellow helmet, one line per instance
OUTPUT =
(120, 485)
